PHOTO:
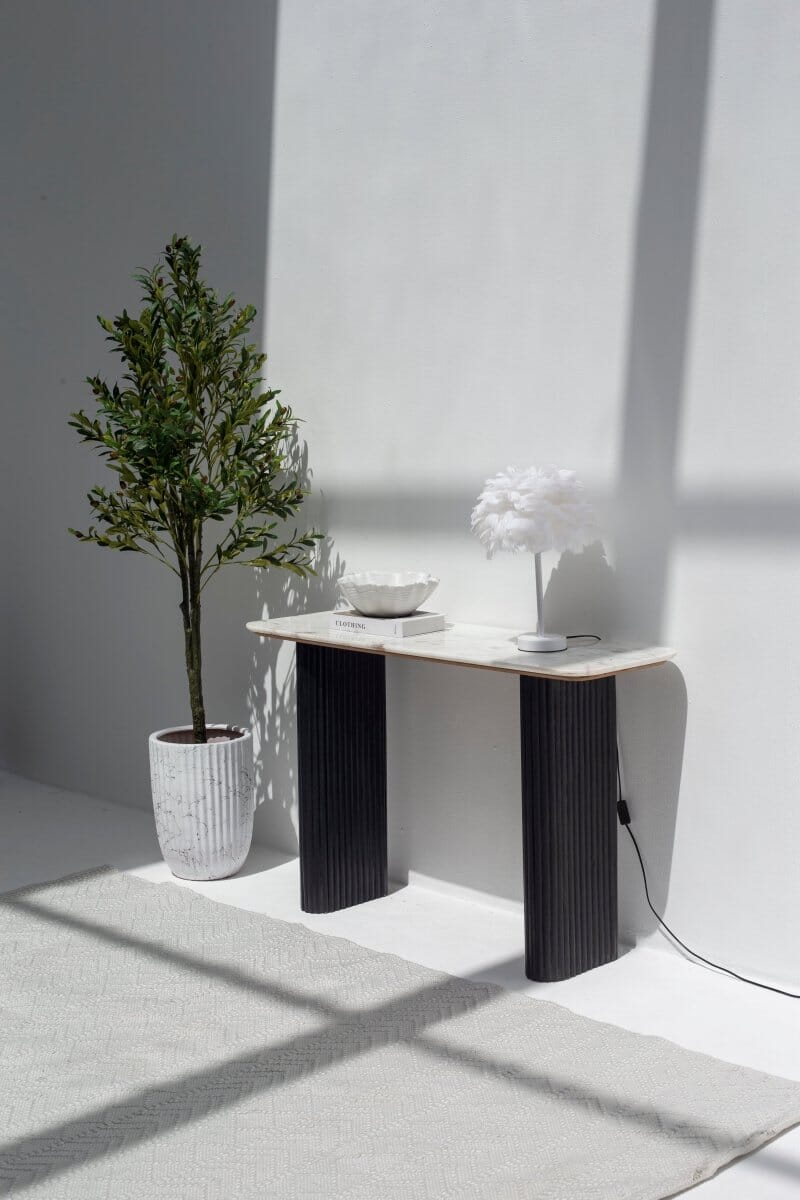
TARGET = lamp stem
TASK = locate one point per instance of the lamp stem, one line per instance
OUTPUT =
(537, 558)
(540, 642)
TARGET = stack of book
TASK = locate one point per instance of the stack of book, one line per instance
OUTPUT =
(349, 621)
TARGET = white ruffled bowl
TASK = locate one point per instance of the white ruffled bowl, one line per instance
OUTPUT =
(387, 593)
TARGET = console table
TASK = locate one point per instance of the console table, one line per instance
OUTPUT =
(569, 785)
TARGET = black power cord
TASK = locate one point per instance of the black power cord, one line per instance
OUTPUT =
(623, 812)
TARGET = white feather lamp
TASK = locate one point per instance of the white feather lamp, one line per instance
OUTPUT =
(534, 509)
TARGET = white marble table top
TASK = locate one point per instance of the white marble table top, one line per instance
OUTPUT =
(484, 646)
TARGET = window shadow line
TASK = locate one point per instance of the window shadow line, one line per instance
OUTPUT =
(696, 511)
(252, 985)
(347, 1034)
(660, 307)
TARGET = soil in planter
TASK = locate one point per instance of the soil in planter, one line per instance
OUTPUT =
(185, 737)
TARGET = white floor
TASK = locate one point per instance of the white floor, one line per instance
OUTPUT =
(46, 833)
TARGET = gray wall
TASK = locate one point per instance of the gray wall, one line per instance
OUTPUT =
(122, 124)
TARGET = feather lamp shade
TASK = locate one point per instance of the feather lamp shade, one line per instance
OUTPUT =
(534, 509)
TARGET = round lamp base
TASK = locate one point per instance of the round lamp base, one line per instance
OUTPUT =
(541, 643)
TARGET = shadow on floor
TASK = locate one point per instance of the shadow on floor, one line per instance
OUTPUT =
(150, 1111)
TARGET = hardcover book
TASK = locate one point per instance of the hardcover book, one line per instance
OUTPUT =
(349, 621)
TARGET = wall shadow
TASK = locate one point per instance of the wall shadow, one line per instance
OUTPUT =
(92, 191)
(652, 712)
(769, 516)
(581, 594)
(774, 515)
(272, 688)
(581, 597)
(453, 775)
(660, 308)
(652, 704)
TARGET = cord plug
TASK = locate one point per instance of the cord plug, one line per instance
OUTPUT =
(623, 812)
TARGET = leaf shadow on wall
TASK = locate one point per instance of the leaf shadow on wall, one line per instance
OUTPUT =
(272, 688)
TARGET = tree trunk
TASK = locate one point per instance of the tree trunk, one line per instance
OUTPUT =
(190, 610)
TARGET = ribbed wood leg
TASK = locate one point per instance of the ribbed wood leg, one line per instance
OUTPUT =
(341, 735)
(569, 825)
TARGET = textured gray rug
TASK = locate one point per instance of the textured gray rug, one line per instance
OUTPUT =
(158, 1046)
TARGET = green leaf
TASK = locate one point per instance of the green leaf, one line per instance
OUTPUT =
(191, 432)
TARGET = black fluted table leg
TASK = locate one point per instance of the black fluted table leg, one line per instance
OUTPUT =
(569, 824)
(341, 753)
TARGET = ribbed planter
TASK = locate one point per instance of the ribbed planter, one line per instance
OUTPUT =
(203, 799)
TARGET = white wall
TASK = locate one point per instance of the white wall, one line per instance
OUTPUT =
(534, 231)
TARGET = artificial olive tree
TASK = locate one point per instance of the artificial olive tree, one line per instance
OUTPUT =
(199, 447)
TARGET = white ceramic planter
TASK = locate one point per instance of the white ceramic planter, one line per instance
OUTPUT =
(203, 800)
